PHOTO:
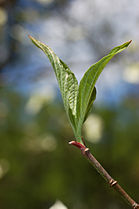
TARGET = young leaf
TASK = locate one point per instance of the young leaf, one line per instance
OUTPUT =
(87, 85)
(92, 99)
(77, 100)
(66, 79)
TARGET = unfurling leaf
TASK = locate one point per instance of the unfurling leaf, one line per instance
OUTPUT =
(87, 84)
(77, 100)
(66, 79)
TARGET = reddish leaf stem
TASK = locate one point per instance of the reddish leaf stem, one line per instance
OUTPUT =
(86, 152)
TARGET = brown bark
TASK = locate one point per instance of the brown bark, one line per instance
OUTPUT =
(114, 184)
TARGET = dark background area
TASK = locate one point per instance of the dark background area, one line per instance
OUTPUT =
(38, 169)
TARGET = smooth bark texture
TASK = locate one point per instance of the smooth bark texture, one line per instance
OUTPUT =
(86, 152)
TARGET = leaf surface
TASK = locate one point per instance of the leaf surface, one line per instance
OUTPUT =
(87, 84)
(66, 79)
(77, 100)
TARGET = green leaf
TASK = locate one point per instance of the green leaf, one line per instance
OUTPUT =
(92, 99)
(66, 79)
(87, 85)
(77, 100)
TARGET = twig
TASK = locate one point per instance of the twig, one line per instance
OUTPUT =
(86, 152)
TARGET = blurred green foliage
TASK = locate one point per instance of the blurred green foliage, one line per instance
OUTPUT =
(37, 166)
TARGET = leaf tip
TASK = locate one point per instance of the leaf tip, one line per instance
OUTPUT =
(31, 38)
(34, 41)
(129, 42)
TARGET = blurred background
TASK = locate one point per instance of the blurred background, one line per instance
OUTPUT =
(38, 169)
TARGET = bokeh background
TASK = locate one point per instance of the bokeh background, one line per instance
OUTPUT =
(38, 169)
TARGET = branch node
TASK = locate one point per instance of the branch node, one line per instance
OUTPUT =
(77, 144)
(112, 182)
(135, 205)
(87, 150)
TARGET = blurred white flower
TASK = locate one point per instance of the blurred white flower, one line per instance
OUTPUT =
(41, 144)
(131, 74)
(4, 167)
(37, 100)
(93, 128)
(3, 16)
(45, 2)
(58, 205)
